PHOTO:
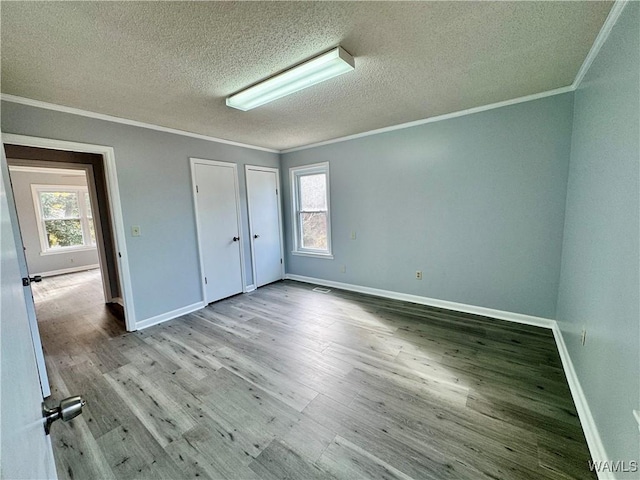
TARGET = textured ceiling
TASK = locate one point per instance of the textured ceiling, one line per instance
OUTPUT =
(173, 63)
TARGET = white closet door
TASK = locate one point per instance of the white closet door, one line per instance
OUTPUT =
(219, 229)
(264, 217)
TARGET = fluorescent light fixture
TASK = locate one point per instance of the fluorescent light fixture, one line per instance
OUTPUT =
(323, 67)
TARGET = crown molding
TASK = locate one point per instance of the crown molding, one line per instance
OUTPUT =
(125, 121)
(438, 118)
(54, 171)
(607, 26)
(610, 21)
(99, 116)
(601, 38)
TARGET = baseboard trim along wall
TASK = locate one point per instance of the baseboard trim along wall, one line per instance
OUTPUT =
(594, 442)
(249, 288)
(164, 317)
(433, 302)
(62, 271)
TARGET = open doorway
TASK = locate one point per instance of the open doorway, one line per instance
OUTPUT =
(59, 216)
(77, 220)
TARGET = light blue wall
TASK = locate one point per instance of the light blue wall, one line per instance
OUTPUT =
(476, 203)
(599, 287)
(155, 188)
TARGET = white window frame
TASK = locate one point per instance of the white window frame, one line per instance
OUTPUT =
(295, 174)
(82, 192)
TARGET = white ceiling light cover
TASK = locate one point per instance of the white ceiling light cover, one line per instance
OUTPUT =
(323, 67)
(416, 60)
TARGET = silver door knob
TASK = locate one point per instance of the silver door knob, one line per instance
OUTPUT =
(67, 409)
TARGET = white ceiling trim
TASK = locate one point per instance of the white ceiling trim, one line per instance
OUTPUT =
(612, 18)
(109, 118)
(439, 118)
(85, 113)
(51, 170)
(607, 26)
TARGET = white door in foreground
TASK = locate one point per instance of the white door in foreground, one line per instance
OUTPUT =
(25, 450)
(217, 207)
(264, 219)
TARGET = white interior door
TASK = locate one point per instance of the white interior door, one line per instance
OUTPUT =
(265, 223)
(26, 290)
(219, 232)
(26, 450)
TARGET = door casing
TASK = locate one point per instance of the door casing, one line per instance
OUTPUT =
(93, 194)
(193, 162)
(276, 171)
(113, 192)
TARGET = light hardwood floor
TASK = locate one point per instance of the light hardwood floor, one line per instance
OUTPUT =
(290, 383)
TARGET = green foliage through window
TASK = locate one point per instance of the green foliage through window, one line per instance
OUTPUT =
(67, 217)
(59, 205)
(64, 233)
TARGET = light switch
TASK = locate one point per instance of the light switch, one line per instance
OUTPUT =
(353, 235)
(135, 231)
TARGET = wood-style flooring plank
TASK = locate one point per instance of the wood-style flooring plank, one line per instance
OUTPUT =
(273, 381)
(133, 452)
(309, 438)
(278, 461)
(286, 382)
(205, 449)
(344, 459)
(163, 416)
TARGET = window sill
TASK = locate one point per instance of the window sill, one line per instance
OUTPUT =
(68, 250)
(327, 256)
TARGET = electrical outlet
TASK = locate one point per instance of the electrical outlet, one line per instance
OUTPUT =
(418, 274)
(583, 336)
(135, 231)
(343, 269)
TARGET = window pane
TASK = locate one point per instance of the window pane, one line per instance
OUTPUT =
(313, 192)
(63, 233)
(92, 231)
(88, 205)
(57, 205)
(314, 230)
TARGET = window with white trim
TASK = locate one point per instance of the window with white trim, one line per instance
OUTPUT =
(65, 219)
(311, 216)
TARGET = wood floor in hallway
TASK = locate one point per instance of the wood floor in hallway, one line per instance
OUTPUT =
(286, 382)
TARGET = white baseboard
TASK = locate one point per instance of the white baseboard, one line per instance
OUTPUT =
(169, 315)
(249, 288)
(433, 302)
(63, 271)
(594, 442)
(118, 300)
